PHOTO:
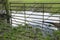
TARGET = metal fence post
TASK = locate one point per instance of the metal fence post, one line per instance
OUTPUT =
(10, 13)
(43, 20)
(24, 15)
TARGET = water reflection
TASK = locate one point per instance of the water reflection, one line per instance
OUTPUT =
(34, 19)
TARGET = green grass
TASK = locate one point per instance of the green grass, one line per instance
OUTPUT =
(40, 1)
(18, 33)
(21, 32)
(36, 9)
(55, 10)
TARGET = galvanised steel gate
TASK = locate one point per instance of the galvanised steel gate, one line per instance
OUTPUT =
(41, 15)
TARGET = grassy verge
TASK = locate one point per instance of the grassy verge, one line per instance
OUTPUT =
(23, 33)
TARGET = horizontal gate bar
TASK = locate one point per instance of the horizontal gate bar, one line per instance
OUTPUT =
(37, 18)
(31, 3)
(33, 7)
(34, 15)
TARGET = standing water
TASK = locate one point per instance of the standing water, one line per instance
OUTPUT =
(35, 19)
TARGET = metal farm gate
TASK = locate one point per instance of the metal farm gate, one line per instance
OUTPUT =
(36, 15)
